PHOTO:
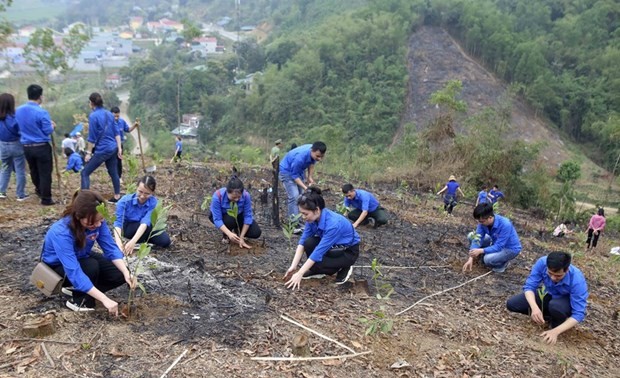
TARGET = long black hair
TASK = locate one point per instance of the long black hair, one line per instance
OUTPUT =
(311, 199)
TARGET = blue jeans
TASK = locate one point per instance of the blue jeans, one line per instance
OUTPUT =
(497, 260)
(111, 163)
(293, 191)
(12, 155)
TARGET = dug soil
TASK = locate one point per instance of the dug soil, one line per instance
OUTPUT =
(214, 307)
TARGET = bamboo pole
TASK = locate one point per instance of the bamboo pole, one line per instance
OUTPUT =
(140, 144)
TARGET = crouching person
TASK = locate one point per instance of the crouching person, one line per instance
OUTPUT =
(495, 241)
(225, 201)
(366, 209)
(68, 250)
(133, 218)
(329, 242)
(561, 300)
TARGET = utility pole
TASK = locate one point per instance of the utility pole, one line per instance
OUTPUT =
(238, 8)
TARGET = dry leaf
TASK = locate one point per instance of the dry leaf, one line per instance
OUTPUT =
(356, 344)
(117, 353)
(334, 362)
(10, 350)
(399, 364)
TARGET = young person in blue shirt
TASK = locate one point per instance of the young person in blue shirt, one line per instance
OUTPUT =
(365, 206)
(495, 194)
(123, 128)
(106, 143)
(329, 241)
(178, 149)
(68, 250)
(292, 172)
(11, 150)
(483, 196)
(35, 127)
(450, 198)
(564, 295)
(133, 218)
(497, 240)
(74, 161)
(225, 199)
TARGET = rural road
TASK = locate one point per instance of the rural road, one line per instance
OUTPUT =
(124, 97)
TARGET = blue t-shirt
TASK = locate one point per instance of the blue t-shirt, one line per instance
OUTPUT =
(35, 124)
(496, 195)
(363, 200)
(573, 285)
(482, 197)
(503, 236)
(333, 229)
(220, 204)
(101, 130)
(59, 248)
(296, 161)
(9, 130)
(178, 146)
(75, 163)
(122, 127)
(129, 209)
(452, 187)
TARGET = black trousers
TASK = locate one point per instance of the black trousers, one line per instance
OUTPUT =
(102, 273)
(554, 310)
(254, 231)
(334, 260)
(379, 215)
(41, 163)
(161, 240)
(592, 238)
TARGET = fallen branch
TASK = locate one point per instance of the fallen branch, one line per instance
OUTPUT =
(443, 291)
(404, 267)
(49, 358)
(309, 358)
(318, 334)
(38, 340)
(174, 363)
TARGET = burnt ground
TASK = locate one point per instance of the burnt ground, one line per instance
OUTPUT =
(223, 305)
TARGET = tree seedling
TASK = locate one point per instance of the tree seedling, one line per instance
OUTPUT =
(380, 322)
(288, 228)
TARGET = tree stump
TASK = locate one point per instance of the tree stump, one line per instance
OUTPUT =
(39, 327)
(301, 348)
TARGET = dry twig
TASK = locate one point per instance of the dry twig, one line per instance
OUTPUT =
(308, 358)
(174, 363)
(49, 358)
(404, 267)
(318, 334)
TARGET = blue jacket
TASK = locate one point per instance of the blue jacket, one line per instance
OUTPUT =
(296, 161)
(333, 229)
(35, 124)
(503, 236)
(573, 285)
(220, 205)
(59, 248)
(452, 187)
(75, 162)
(496, 195)
(122, 127)
(129, 209)
(363, 201)
(483, 197)
(97, 121)
(9, 130)
(178, 146)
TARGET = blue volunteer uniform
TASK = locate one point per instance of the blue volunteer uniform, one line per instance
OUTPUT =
(59, 248)
(178, 146)
(35, 124)
(296, 161)
(503, 236)
(452, 187)
(129, 209)
(75, 163)
(496, 195)
(482, 197)
(333, 229)
(363, 200)
(102, 131)
(9, 129)
(220, 204)
(122, 127)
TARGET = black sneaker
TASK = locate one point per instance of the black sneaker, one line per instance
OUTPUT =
(67, 291)
(78, 308)
(343, 275)
(113, 200)
(48, 202)
(2, 195)
(309, 275)
(24, 198)
(298, 231)
(372, 222)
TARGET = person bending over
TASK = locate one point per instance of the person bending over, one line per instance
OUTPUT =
(556, 292)
(133, 218)
(366, 208)
(329, 242)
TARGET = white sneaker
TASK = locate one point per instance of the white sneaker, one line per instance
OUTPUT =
(344, 275)
(73, 306)
(67, 291)
(308, 276)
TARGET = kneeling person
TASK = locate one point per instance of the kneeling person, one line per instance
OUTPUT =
(329, 241)
(497, 240)
(562, 296)
(133, 218)
(74, 161)
(366, 208)
(225, 201)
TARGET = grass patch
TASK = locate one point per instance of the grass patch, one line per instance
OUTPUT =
(22, 11)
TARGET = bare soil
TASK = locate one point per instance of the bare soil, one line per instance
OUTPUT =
(223, 305)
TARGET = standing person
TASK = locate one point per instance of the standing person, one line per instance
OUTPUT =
(224, 200)
(123, 128)
(178, 149)
(133, 218)
(275, 152)
(561, 300)
(496, 240)
(68, 250)
(11, 150)
(74, 161)
(483, 196)
(495, 194)
(68, 142)
(329, 242)
(106, 142)
(595, 227)
(80, 145)
(366, 208)
(292, 171)
(36, 127)
(450, 198)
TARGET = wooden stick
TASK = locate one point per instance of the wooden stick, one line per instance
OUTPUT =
(443, 291)
(55, 158)
(46, 340)
(403, 267)
(309, 358)
(174, 363)
(318, 334)
(49, 358)
(140, 144)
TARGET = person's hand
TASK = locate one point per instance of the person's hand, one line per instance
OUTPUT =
(132, 281)
(87, 156)
(294, 282)
(289, 273)
(310, 180)
(550, 336)
(468, 265)
(233, 237)
(355, 225)
(243, 244)
(120, 153)
(111, 306)
(128, 249)
(537, 316)
(53, 125)
(597, 232)
(475, 252)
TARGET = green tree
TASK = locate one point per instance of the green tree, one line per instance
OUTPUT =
(569, 172)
